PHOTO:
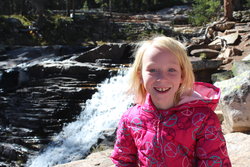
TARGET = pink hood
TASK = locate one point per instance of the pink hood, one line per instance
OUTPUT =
(203, 92)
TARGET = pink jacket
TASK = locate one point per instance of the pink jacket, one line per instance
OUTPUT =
(183, 136)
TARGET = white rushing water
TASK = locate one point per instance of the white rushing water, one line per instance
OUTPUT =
(101, 112)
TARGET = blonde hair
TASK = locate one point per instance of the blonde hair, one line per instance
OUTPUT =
(136, 87)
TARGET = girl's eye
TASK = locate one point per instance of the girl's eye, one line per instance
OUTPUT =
(171, 70)
(152, 70)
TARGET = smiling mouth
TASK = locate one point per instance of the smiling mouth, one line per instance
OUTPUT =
(162, 90)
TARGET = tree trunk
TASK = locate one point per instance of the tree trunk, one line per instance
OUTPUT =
(228, 10)
(67, 7)
(73, 7)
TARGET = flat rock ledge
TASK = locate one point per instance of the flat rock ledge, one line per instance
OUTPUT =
(238, 145)
(99, 159)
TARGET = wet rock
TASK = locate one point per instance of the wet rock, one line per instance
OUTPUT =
(68, 68)
(22, 56)
(9, 79)
(115, 52)
(13, 152)
(31, 115)
(13, 78)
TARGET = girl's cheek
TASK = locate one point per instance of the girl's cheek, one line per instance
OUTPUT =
(174, 75)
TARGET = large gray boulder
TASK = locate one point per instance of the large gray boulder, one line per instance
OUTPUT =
(235, 102)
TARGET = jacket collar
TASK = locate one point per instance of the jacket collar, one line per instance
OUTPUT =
(204, 94)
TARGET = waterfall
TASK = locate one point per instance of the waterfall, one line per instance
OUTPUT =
(101, 112)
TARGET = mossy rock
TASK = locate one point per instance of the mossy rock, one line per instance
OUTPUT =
(240, 66)
(221, 76)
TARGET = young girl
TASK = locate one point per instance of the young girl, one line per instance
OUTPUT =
(173, 123)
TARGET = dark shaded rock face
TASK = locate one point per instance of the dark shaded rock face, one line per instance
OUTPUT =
(43, 88)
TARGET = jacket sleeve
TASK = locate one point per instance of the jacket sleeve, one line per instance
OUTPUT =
(211, 147)
(125, 151)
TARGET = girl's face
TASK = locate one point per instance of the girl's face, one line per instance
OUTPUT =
(161, 76)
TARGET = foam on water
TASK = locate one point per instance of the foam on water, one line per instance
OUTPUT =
(101, 112)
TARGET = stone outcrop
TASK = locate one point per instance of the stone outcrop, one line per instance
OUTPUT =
(235, 97)
(234, 102)
(113, 52)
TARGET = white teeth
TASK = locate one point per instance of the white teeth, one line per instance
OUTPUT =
(162, 89)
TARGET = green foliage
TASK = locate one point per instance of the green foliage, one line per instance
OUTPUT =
(247, 4)
(12, 33)
(203, 56)
(137, 5)
(26, 7)
(204, 11)
(56, 29)
(23, 19)
(135, 32)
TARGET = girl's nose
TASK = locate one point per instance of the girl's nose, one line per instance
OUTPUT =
(161, 76)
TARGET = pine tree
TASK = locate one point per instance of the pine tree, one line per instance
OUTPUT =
(203, 11)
